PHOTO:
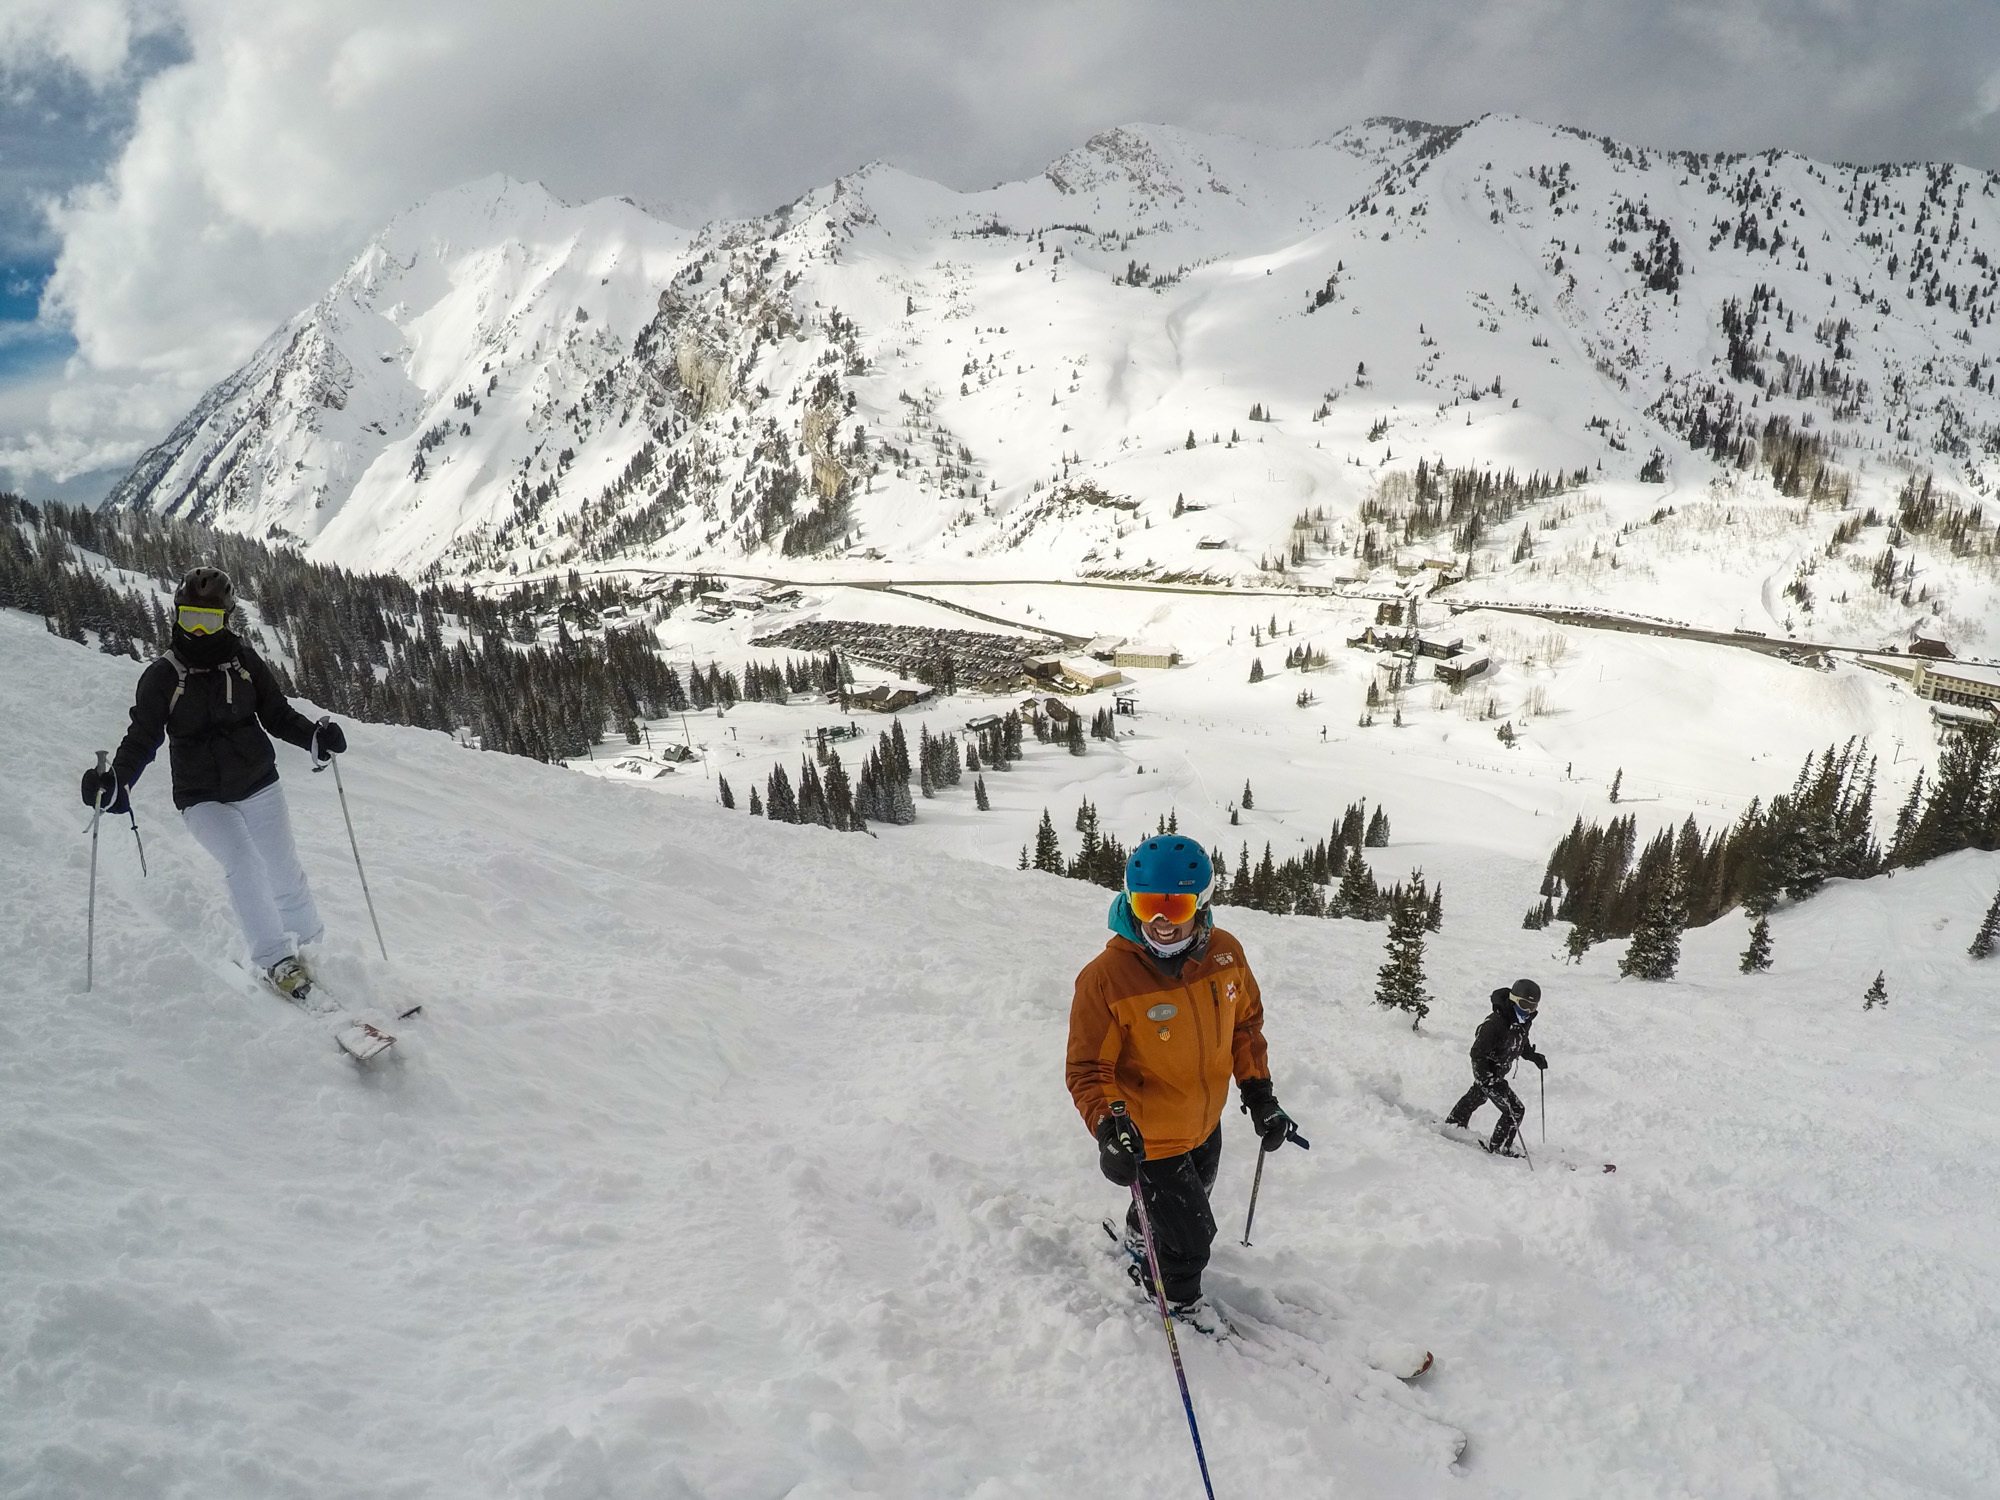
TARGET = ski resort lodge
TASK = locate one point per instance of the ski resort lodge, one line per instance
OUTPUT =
(1954, 684)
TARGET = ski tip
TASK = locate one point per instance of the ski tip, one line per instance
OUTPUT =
(1404, 1360)
(363, 1042)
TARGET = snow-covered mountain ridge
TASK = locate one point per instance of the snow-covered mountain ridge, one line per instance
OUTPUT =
(1057, 377)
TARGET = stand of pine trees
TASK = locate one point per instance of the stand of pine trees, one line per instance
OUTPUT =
(376, 647)
(1824, 827)
(1303, 885)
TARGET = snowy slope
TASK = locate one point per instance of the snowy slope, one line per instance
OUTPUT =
(993, 383)
(733, 1160)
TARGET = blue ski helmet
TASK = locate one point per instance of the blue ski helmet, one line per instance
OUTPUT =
(1170, 864)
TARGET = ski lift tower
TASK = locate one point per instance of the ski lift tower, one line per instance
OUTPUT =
(1413, 594)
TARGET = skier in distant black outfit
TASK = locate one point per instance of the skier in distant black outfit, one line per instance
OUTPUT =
(212, 698)
(1502, 1037)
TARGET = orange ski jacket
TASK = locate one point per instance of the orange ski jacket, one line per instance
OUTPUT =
(1166, 1046)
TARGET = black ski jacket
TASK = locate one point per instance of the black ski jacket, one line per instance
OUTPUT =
(1500, 1039)
(213, 723)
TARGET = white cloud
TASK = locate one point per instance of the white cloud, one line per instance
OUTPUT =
(90, 37)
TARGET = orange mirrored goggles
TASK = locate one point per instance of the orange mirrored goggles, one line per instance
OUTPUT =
(197, 620)
(1175, 906)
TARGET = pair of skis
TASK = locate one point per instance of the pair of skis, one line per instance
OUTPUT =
(1404, 1361)
(1466, 1137)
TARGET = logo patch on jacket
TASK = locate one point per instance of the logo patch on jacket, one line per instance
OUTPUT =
(1163, 1012)
(1229, 990)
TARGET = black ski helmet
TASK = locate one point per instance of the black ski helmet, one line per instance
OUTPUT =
(209, 588)
(1527, 994)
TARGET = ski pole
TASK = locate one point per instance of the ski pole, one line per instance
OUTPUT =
(1543, 1076)
(339, 786)
(1167, 1321)
(1256, 1182)
(1521, 1140)
(143, 871)
(90, 918)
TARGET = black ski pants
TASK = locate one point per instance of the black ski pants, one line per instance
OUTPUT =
(1498, 1092)
(1176, 1189)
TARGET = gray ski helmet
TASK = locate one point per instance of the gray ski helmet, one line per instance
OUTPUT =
(1527, 994)
(209, 588)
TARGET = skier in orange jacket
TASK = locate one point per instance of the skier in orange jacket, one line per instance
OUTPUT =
(1161, 1021)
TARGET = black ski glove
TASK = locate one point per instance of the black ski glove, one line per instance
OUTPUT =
(103, 786)
(1267, 1118)
(1536, 1058)
(328, 739)
(1120, 1149)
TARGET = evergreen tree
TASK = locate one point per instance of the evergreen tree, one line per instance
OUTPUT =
(1757, 957)
(1073, 738)
(1617, 782)
(812, 796)
(1577, 943)
(898, 806)
(756, 802)
(1085, 865)
(1048, 851)
(722, 787)
(1264, 885)
(1378, 830)
(779, 803)
(1352, 833)
(1256, 669)
(979, 798)
(1357, 895)
(1400, 981)
(1434, 913)
(1249, 800)
(1655, 949)
(840, 797)
(1878, 993)
(1989, 929)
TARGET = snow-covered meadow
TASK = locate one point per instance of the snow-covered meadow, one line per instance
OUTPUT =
(734, 1160)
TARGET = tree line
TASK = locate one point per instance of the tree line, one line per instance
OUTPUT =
(1600, 882)
(377, 647)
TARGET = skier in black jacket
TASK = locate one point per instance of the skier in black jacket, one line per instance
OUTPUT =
(1501, 1038)
(212, 699)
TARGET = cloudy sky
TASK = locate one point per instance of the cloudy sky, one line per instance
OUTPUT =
(177, 177)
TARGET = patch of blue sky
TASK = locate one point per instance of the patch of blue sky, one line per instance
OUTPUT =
(25, 345)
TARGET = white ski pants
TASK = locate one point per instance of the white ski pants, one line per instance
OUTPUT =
(252, 841)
